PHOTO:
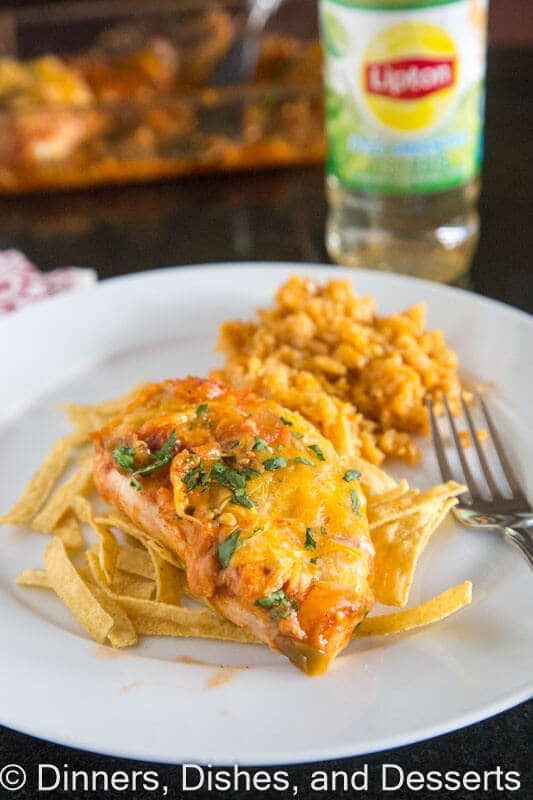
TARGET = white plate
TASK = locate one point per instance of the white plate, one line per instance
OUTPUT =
(145, 704)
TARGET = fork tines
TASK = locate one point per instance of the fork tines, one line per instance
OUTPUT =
(517, 494)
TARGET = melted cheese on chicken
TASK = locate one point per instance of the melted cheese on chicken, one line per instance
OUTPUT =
(269, 524)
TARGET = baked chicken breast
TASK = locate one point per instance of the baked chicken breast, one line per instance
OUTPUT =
(268, 522)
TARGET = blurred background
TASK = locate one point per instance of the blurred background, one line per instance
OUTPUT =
(510, 20)
(111, 91)
(510, 23)
(97, 94)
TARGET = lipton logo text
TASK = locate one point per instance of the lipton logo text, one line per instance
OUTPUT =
(409, 78)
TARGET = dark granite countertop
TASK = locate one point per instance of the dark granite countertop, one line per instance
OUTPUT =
(279, 216)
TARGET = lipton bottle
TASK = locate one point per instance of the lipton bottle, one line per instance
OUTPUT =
(404, 117)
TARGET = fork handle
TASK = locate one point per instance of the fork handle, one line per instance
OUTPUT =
(522, 539)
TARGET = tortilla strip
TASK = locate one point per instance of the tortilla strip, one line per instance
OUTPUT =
(387, 497)
(108, 549)
(122, 634)
(169, 580)
(136, 561)
(162, 619)
(128, 585)
(76, 412)
(40, 486)
(33, 577)
(69, 531)
(64, 579)
(399, 544)
(411, 502)
(61, 499)
(408, 619)
(123, 583)
(115, 519)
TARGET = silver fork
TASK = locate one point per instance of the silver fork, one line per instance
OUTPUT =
(510, 514)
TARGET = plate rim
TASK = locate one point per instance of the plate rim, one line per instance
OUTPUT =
(426, 733)
(269, 266)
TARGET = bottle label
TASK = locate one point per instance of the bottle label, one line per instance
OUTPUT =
(404, 92)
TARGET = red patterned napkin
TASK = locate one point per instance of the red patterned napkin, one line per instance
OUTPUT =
(22, 283)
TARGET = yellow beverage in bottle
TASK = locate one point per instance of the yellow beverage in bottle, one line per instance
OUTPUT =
(404, 104)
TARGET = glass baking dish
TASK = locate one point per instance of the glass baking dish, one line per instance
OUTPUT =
(112, 92)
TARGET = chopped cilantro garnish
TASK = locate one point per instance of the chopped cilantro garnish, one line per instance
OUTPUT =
(297, 435)
(272, 464)
(323, 530)
(351, 475)
(301, 460)
(310, 541)
(259, 445)
(124, 457)
(317, 451)
(286, 421)
(354, 497)
(277, 603)
(228, 547)
(271, 600)
(195, 477)
(240, 498)
(249, 472)
(202, 410)
(235, 443)
(313, 560)
(161, 457)
(233, 480)
(227, 476)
